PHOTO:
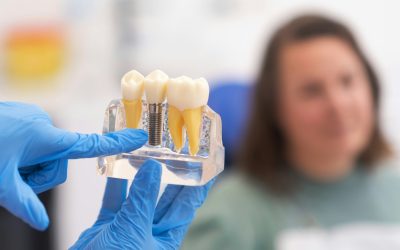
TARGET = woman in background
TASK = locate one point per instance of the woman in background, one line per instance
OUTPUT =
(314, 153)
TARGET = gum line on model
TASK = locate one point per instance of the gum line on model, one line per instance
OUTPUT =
(185, 134)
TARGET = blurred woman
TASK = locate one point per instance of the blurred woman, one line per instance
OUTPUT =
(314, 152)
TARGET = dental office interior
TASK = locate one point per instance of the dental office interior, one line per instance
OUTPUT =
(68, 56)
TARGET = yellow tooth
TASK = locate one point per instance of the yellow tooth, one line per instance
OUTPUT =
(175, 125)
(192, 119)
(133, 112)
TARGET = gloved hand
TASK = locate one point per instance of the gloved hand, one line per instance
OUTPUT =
(135, 222)
(34, 156)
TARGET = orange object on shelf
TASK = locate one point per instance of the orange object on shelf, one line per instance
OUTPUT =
(34, 54)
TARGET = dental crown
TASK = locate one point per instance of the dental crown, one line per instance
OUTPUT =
(185, 93)
(155, 85)
(132, 85)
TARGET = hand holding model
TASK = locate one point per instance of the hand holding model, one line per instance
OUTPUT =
(34, 156)
(138, 222)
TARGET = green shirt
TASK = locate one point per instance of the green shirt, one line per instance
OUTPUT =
(239, 215)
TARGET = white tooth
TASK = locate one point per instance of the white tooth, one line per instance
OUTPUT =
(132, 91)
(132, 85)
(155, 85)
(185, 93)
(185, 99)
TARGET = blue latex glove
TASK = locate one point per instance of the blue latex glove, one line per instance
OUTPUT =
(34, 157)
(135, 222)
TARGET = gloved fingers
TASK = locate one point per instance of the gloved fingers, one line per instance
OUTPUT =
(165, 201)
(23, 203)
(113, 198)
(95, 145)
(52, 143)
(181, 212)
(46, 175)
(172, 238)
(46, 143)
(138, 209)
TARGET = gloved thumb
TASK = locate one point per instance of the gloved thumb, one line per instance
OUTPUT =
(139, 207)
(21, 201)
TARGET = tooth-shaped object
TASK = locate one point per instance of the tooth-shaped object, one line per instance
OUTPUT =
(132, 90)
(186, 97)
(155, 86)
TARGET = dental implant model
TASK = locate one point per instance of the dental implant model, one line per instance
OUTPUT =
(155, 85)
(185, 135)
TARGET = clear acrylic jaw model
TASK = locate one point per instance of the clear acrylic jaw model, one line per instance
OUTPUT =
(178, 168)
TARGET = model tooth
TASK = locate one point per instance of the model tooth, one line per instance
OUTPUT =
(132, 91)
(186, 97)
(155, 86)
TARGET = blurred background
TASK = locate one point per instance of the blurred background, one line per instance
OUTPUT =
(68, 56)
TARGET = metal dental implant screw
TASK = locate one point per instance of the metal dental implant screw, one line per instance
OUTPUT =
(155, 124)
